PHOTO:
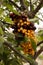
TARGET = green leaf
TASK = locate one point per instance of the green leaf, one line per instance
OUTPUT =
(25, 39)
(14, 62)
(33, 44)
(27, 3)
(19, 37)
(10, 38)
(10, 8)
(8, 20)
(1, 44)
(41, 57)
(16, 0)
(1, 40)
(5, 58)
(31, 60)
(1, 10)
(1, 31)
(1, 13)
(19, 48)
(41, 34)
(16, 12)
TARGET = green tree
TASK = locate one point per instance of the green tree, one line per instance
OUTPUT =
(11, 49)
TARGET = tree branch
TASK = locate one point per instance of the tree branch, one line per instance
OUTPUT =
(39, 18)
(38, 7)
(23, 4)
(38, 53)
(33, 13)
(15, 4)
(40, 43)
(30, 6)
(19, 54)
(30, 14)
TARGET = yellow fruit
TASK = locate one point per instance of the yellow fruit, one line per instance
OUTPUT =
(21, 28)
(23, 31)
(21, 24)
(25, 22)
(28, 34)
(20, 21)
(28, 31)
(27, 48)
(18, 30)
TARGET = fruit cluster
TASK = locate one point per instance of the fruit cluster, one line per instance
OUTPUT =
(27, 48)
(21, 23)
(24, 26)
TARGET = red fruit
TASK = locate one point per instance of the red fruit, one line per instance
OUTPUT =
(12, 15)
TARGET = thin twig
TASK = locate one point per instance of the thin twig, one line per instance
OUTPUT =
(40, 43)
(38, 53)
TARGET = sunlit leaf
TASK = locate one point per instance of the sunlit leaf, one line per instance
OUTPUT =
(14, 62)
(8, 20)
(41, 57)
(16, 0)
(1, 44)
(1, 31)
(11, 8)
(1, 10)
(31, 60)
(27, 3)
(33, 44)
